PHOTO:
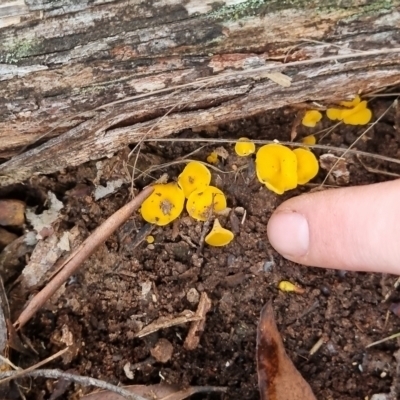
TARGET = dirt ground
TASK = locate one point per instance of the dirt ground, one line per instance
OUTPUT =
(128, 283)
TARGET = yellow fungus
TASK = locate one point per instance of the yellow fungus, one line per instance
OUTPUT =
(212, 158)
(359, 114)
(195, 176)
(334, 114)
(164, 205)
(351, 103)
(276, 167)
(150, 239)
(307, 165)
(311, 118)
(244, 147)
(200, 202)
(219, 236)
(310, 139)
(286, 286)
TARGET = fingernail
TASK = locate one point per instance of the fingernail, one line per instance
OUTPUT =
(288, 233)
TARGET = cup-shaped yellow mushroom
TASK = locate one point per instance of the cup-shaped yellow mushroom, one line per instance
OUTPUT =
(202, 203)
(307, 165)
(310, 139)
(244, 147)
(195, 176)
(311, 118)
(164, 205)
(219, 236)
(358, 114)
(276, 167)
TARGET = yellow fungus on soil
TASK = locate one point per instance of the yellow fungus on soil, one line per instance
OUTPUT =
(311, 118)
(244, 147)
(219, 236)
(307, 165)
(310, 139)
(276, 167)
(194, 176)
(202, 203)
(150, 239)
(164, 205)
(358, 114)
(212, 158)
(286, 286)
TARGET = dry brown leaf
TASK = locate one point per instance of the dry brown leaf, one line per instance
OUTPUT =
(278, 378)
(155, 392)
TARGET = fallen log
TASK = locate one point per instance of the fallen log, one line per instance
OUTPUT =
(81, 80)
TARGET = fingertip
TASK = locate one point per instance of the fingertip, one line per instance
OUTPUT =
(353, 228)
(285, 224)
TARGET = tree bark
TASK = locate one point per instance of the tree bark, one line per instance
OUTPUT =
(79, 80)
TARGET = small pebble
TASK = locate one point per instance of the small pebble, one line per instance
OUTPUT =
(268, 265)
(162, 351)
(193, 296)
(325, 290)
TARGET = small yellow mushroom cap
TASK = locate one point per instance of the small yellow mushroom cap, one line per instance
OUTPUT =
(359, 115)
(276, 167)
(164, 205)
(212, 158)
(194, 176)
(307, 165)
(150, 239)
(334, 114)
(219, 236)
(311, 118)
(286, 286)
(200, 202)
(310, 139)
(244, 147)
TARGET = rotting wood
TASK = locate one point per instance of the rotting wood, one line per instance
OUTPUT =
(63, 62)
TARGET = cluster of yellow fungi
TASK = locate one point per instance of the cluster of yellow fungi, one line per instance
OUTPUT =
(278, 167)
(354, 112)
(203, 201)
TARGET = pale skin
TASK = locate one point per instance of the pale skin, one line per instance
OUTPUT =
(356, 228)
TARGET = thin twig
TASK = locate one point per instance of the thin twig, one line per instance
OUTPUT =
(394, 336)
(84, 251)
(82, 380)
(19, 373)
(183, 161)
(285, 143)
(8, 362)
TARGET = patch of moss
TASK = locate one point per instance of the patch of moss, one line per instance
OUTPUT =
(19, 49)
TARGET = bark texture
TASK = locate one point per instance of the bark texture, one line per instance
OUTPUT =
(81, 79)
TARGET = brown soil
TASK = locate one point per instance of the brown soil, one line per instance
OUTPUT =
(107, 302)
